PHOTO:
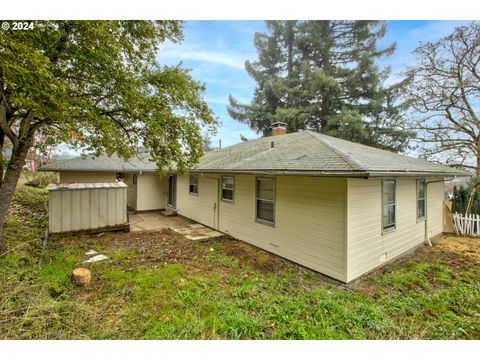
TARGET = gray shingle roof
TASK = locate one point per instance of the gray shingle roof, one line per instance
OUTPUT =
(103, 163)
(310, 152)
(304, 152)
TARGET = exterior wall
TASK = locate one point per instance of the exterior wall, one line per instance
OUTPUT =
(86, 209)
(367, 247)
(150, 191)
(201, 208)
(309, 217)
(131, 191)
(435, 208)
(68, 177)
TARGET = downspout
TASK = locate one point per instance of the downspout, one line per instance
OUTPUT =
(427, 238)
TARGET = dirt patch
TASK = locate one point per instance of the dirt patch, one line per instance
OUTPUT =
(166, 246)
(466, 247)
(258, 259)
(161, 246)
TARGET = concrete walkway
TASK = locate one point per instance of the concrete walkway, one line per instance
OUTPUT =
(152, 221)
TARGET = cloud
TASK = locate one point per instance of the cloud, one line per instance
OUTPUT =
(182, 54)
(223, 100)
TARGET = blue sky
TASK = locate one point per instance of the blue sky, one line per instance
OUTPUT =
(216, 51)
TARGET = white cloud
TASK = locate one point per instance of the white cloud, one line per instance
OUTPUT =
(223, 100)
(182, 54)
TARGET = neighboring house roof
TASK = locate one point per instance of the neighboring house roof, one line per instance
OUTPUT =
(308, 152)
(103, 163)
(304, 152)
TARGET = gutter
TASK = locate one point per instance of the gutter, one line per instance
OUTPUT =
(359, 174)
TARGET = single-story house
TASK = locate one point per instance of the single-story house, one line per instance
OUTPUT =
(334, 206)
(146, 189)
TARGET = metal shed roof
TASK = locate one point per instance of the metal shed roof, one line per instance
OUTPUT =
(83, 186)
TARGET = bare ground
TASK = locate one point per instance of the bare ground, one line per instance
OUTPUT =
(167, 246)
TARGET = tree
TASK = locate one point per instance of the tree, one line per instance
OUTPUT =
(445, 91)
(97, 87)
(207, 142)
(310, 74)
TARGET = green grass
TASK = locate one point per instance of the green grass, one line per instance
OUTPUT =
(131, 298)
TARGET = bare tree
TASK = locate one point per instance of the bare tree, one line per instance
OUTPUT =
(445, 94)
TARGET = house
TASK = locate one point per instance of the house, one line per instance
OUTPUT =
(334, 206)
(146, 189)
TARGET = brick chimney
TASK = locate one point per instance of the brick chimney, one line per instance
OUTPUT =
(279, 128)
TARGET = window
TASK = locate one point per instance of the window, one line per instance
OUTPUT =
(193, 188)
(388, 199)
(228, 188)
(265, 200)
(421, 196)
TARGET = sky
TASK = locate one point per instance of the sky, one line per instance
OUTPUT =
(216, 51)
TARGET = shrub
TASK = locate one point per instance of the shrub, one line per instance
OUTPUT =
(42, 179)
(460, 199)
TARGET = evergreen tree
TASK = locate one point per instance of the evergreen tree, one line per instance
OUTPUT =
(322, 75)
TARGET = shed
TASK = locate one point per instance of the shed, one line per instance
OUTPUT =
(87, 206)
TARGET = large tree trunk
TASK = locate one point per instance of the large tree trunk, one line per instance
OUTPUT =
(9, 183)
(325, 111)
(289, 40)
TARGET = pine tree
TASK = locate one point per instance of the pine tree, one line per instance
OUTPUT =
(322, 75)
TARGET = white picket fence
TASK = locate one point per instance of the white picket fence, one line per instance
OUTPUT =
(468, 224)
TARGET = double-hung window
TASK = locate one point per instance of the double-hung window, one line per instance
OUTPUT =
(265, 200)
(389, 205)
(421, 196)
(228, 188)
(193, 186)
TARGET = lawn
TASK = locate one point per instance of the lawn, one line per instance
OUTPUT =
(161, 286)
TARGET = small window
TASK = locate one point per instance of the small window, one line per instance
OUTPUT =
(193, 188)
(389, 204)
(421, 196)
(228, 188)
(265, 200)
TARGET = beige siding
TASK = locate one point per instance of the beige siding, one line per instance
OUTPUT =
(367, 246)
(150, 191)
(201, 208)
(131, 191)
(86, 209)
(68, 177)
(435, 207)
(310, 218)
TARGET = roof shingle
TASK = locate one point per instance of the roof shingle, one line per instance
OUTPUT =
(304, 152)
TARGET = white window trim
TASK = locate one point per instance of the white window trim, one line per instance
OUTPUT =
(257, 219)
(394, 227)
(231, 201)
(190, 184)
(420, 219)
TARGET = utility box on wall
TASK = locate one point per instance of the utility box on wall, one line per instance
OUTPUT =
(87, 206)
